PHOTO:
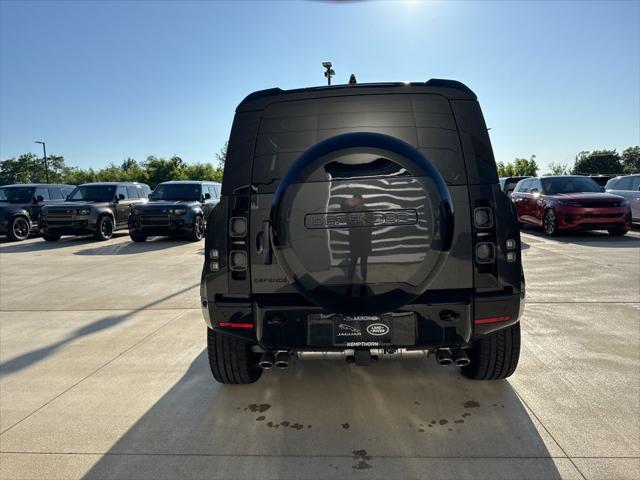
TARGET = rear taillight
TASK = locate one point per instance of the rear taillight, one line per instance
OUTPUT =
(485, 236)
(238, 260)
(511, 245)
(483, 217)
(238, 256)
(237, 227)
(485, 252)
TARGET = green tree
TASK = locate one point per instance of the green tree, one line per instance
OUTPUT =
(160, 169)
(630, 160)
(29, 168)
(221, 156)
(202, 171)
(520, 167)
(605, 162)
(78, 176)
(558, 169)
(505, 170)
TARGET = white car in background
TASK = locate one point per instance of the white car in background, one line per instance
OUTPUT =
(629, 188)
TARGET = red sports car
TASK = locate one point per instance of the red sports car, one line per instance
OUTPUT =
(570, 203)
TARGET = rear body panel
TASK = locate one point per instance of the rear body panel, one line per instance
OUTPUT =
(447, 127)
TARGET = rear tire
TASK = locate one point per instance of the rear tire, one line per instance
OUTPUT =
(618, 232)
(138, 237)
(104, 228)
(197, 230)
(19, 229)
(231, 360)
(494, 356)
(50, 237)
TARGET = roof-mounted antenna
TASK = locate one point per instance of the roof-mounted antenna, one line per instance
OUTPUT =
(329, 71)
(352, 79)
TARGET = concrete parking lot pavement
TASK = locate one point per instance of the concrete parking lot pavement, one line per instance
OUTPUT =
(104, 375)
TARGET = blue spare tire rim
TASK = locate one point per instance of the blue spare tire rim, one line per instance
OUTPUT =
(397, 227)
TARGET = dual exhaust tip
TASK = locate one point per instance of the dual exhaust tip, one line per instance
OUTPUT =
(447, 357)
(269, 360)
(444, 357)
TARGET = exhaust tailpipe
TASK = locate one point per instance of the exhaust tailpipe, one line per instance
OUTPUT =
(282, 359)
(443, 357)
(266, 361)
(461, 358)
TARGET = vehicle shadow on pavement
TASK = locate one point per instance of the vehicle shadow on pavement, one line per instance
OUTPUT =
(134, 248)
(38, 244)
(595, 238)
(30, 358)
(394, 419)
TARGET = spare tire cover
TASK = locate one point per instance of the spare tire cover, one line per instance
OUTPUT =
(361, 223)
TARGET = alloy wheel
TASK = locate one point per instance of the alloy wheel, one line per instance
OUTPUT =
(550, 226)
(20, 228)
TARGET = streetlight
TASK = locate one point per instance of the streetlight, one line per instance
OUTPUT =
(329, 71)
(46, 166)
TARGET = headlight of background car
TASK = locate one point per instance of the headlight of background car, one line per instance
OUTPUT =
(179, 211)
(84, 211)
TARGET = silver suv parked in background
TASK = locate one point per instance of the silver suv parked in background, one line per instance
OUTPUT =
(629, 188)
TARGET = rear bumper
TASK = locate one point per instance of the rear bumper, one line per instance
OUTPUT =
(443, 319)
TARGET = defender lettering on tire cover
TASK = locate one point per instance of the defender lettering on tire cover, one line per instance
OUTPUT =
(361, 223)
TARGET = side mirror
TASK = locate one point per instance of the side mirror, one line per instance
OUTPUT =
(68, 197)
(535, 190)
(207, 196)
(149, 196)
(120, 196)
(603, 189)
(38, 199)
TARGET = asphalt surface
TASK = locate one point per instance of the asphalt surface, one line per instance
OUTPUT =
(104, 375)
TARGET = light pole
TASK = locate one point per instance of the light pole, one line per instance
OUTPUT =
(329, 71)
(46, 166)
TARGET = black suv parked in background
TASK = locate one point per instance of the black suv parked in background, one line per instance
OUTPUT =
(359, 222)
(175, 208)
(507, 184)
(93, 208)
(20, 207)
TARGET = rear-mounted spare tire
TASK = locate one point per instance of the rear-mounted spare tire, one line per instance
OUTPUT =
(361, 223)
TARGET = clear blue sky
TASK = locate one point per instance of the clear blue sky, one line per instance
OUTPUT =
(103, 81)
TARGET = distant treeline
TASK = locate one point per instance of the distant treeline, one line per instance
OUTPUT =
(29, 168)
(598, 162)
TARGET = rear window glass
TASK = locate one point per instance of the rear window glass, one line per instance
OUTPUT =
(288, 129)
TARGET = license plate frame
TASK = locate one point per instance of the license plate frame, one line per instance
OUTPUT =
(362, 330)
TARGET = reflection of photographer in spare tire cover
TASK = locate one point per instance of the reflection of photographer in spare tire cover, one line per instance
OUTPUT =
(401, 235)
(359, 241)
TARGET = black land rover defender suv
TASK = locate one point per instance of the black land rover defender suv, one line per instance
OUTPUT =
(175, 208)
(21, 204)
(362, 222)
(93, 208)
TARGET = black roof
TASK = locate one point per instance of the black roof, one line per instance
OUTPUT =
(189, 181)
(31, 185)
(451, 89)
(113, 183)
